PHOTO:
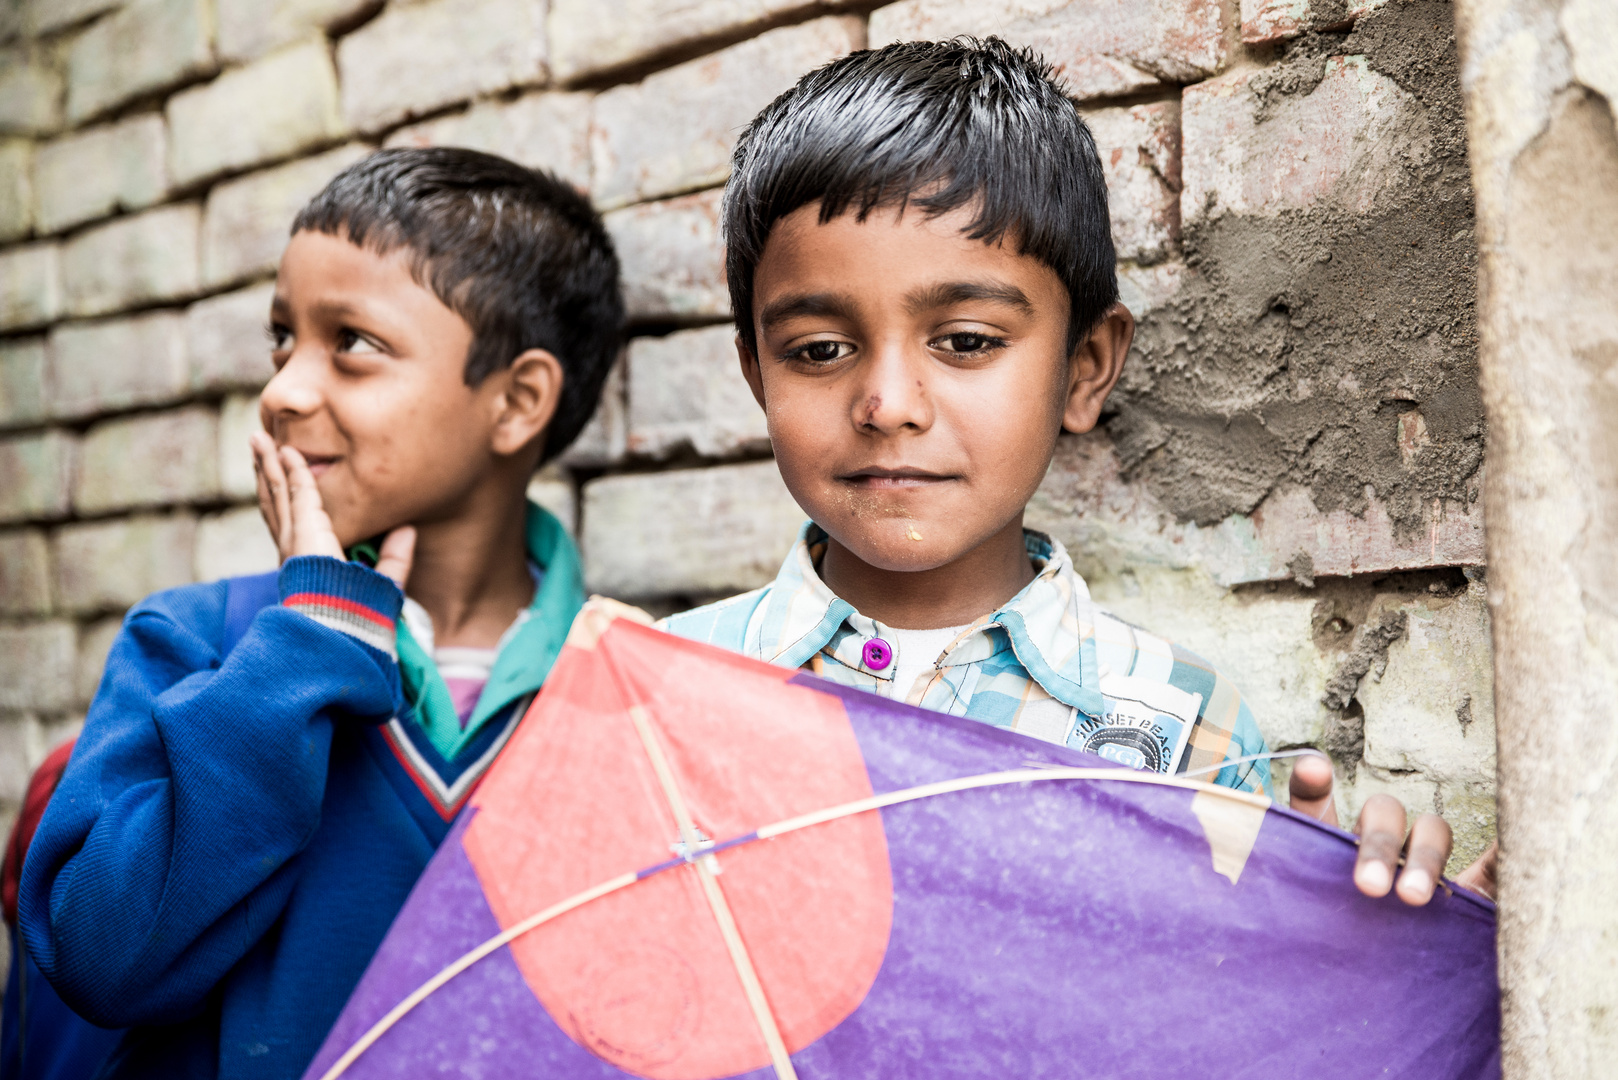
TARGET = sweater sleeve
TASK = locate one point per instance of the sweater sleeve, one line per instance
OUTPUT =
(171, 844)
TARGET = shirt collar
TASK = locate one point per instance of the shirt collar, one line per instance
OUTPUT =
(1048, 624)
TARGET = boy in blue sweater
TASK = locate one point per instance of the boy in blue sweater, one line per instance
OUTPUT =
(920, 264)
(269, 763)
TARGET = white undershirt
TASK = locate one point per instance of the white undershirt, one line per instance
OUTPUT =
(915, 652)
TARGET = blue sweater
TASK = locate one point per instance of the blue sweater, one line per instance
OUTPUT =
(237, 828)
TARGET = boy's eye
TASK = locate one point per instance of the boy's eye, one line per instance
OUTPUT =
(351, 341)
(280, 337)
(967, 343)
(821, 352)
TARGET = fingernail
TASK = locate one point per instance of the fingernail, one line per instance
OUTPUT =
(1373, 878)
(1416, 883)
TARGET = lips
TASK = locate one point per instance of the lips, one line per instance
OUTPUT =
(878, 478)
(318, 463)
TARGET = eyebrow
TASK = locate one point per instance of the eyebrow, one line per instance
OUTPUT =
(950, 293)
(800, 304)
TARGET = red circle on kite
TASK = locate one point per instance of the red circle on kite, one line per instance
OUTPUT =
(643, 977)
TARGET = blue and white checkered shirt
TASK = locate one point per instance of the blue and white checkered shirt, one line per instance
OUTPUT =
(1049, 664)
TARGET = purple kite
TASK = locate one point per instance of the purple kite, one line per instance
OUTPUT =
(689, 865)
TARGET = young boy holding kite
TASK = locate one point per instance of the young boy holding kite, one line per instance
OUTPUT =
(919, 257)
(270, 763)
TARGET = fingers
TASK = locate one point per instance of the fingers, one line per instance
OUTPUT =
(1310, 788)
(1425, 856)
(398, 551)
(312, 532)
(1382, 838)
(1382, 835)
(272, 492)
(1480, 877)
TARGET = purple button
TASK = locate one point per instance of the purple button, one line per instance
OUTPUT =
(878, 654)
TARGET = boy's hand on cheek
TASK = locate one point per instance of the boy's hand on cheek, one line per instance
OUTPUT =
(289, 500)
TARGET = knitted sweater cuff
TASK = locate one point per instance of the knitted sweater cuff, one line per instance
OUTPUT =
(344, 596)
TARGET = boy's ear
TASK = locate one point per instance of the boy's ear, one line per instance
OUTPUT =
(750, 370)
(1094, 367)
(531, 390)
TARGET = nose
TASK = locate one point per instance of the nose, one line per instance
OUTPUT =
(891, 394)
(294, 393)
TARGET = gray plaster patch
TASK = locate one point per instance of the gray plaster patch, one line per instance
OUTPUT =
(1299, 340)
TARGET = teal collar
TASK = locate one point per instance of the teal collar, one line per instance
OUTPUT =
(525, 660)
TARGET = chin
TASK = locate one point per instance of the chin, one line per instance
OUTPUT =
(899, 554)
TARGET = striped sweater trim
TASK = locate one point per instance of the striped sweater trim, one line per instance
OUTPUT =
(354, 619)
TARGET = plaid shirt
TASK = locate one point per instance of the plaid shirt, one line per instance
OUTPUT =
(1050, 664)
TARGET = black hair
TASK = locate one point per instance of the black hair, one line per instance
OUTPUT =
(516, 252)
(938, 125)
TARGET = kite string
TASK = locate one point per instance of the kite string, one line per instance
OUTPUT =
(793, 824)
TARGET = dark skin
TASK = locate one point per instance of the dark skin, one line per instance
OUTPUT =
(370, 430)
(915, 382)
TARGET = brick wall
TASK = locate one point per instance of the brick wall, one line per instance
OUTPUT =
(1282, 482)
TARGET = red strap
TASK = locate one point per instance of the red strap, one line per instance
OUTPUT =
(40, 788)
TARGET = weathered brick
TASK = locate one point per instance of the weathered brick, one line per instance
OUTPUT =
(1265, 21)
(555, 494)
(155, 459)
(1272, 20)
(36, 665)
(1431, 708)
(673, 263)
(91, 173)
(251, 28)
(23, 397)
(238, 419)
(603, 438)
(30, 286)
(16, 189)
(234, 544)
(48, 16)
(36, 476)
(30, 91)
(10, 20)
(247, 221)
(588, 37)
(95, 642)
(25, 573)
(1146, 288)
(686, 390)
(225, 342)
(542, 131)
(272, 108)
(106, 566)
(693, 532)
(147, 46)
(116, 364)
(1140, 154)
(131, 261)
(1342, 144)
(416, 58)
(1100, 48)
(1086, 503)
(674, 132)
